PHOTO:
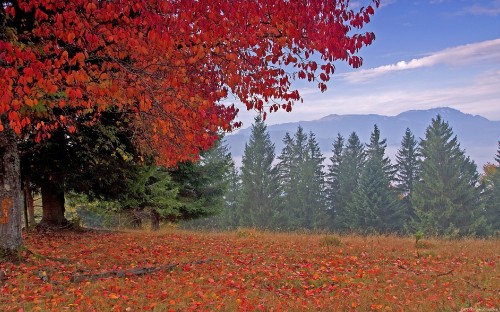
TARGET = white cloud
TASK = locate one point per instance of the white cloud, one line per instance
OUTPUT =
(354, 5)
(384, 3)
(491, 9)
(477, 95)
(358, 4)
(456, 56)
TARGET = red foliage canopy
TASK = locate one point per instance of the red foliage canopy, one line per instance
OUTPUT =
(168, 63)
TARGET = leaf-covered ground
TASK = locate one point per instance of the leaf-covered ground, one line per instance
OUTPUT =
(248, 270)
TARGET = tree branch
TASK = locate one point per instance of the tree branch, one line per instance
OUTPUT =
(132, 272)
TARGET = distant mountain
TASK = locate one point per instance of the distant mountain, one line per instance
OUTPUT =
(476, 134)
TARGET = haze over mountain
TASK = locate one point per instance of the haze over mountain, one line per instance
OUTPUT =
(476, 134)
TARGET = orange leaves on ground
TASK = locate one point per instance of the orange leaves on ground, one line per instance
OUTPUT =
(251, 271)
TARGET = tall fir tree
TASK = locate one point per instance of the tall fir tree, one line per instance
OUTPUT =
(407, 171)
(230, 212)
(296, 198)
(287, 172)
(230, 216)
(497, 156)
(259, 179)
(446, 197)
(375, 202)
(491, 195)
(214, 167)
(353, 159)
(332, 176)
(301, 182)
(313, 186)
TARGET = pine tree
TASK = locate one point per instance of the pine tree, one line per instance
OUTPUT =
(153, 191)
(214, 166)
(332, 177)
(231, 213)
(407, 170)
(497, 156)
(446, 198)
(296, 198)
(301, 182)
(259, 179)
(217, 181)
(353, 159)
(191, 190)
(313, 186)
(229, 216)
(287, 172)
(491, 195)
(375, 201)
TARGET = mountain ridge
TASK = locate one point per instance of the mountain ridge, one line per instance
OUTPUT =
(476, 134)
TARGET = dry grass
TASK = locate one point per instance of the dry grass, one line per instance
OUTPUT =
(252, 270)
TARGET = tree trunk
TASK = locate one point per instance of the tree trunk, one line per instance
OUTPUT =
(10, 193)
(28, 197)
(26, 224)
(53, 204)
(155, 220)
(136, 219)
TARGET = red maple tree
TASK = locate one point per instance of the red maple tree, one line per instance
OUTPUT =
(167, 63)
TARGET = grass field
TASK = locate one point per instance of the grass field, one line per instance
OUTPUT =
(247, 270)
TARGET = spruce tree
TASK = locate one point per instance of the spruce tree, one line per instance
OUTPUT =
(231, 213)
(301, 182)
(296, 199)
(287, 172)
(313, 186)
(497, 156)
(446, 198)
(213, 167)
(407, 170)
(259, 179)
(216, 180)
(332, 177)
(353, 159)
(375, 202)
(491, 181)
(291, 166)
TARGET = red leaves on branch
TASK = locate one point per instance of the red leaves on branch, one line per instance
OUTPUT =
(167, 62)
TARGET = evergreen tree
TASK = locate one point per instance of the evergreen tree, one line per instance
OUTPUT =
(353, 159)
(497, 156)
(154, 192)
(302, 182)
(313, 186)
(446, 198)
(375, 202)
(290, 168)
(230, 216)
(332, 177)
(191, 190)
(491, 195)
(295, 199)
(287, 174)
(213, 169)
(407, 170)
(259, 179)
(97, 160)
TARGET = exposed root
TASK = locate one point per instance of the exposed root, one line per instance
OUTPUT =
(36, 255)
(132, 272)
(10, 255)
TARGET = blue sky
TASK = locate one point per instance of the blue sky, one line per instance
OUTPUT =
(427, 53)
